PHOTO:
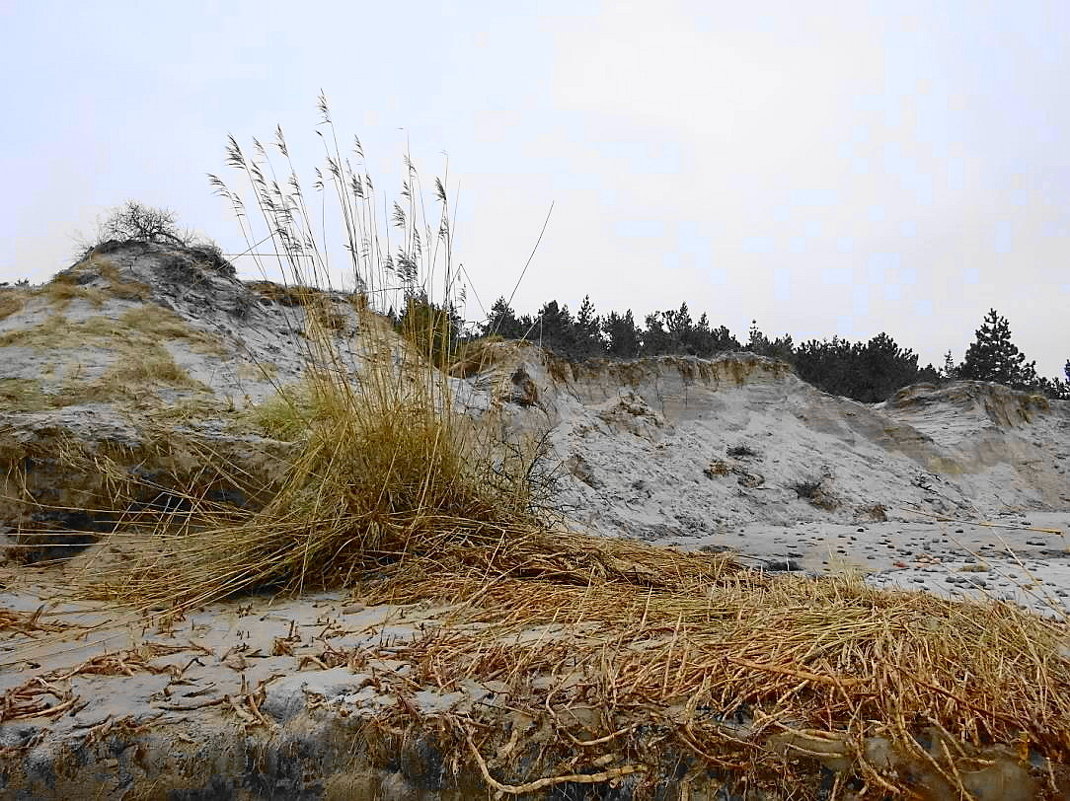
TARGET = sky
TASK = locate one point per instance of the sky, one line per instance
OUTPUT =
(825, 168)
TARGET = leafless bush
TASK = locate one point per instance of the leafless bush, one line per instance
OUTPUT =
(142, 223)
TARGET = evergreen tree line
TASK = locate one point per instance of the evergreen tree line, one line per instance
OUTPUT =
(866, 371)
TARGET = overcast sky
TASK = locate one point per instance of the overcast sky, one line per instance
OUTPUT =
(822, 167)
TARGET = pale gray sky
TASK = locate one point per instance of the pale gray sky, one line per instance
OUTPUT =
(824, 167)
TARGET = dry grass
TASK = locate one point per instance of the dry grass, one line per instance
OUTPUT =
(289, 296)
(378, 478)
(142, 363)
(147, 368)
(64, 288)
(31, 699)
(120, 287)
(26, 624)
(23, 395)
(287, 415)
(475, 356)
(11, 301)
(155, 321)
(760, 678)
(70, 284)
(616, 658)
(57, 332)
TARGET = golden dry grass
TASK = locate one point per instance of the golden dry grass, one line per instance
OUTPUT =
(290, 296)
(760, 678)
(11, 301)
(64, 288)
(119, 287)
(381, 474)
(155, 321)
(137, 337)
(23, 395)
(286, 415)
(475, 356)
(148, 368)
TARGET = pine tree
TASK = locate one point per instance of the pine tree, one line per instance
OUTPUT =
(782, 348)
(622, 336)
(588, 332)
(951, 370)
(680, 328)
(993, 357)
(656, 340)
(503, 321)
(555, 329)
(882, 367)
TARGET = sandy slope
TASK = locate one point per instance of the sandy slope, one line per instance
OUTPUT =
(739, 453)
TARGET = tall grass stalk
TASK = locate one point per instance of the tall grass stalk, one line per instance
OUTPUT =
(388, 467)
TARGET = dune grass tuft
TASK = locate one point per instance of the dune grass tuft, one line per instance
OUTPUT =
(11, 301)
(388, 469)
(23, 395)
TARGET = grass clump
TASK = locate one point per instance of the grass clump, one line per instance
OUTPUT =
(387, 468)
(61, 293)
(11, 302)
(287, 415)
(476, 355)
(289, 296)
(67, 286)
(132, 329)
(119, 287)
(379, 478)
(150, 366)
(23, 395)
(156, 321)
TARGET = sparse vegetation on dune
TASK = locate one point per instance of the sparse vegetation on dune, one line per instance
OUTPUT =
(134, 326)
(23, 395)
(868, 371)
(11, 301)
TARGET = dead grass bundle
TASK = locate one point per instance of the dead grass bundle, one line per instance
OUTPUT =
(762, 679)
(476, 355)
(23, 395)
(31, 698)
(65, 287)
(14, 623)
(134, 329)
(119, 287)
(11, 301)
(155, 321)
(289, 296)
(380, 477)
